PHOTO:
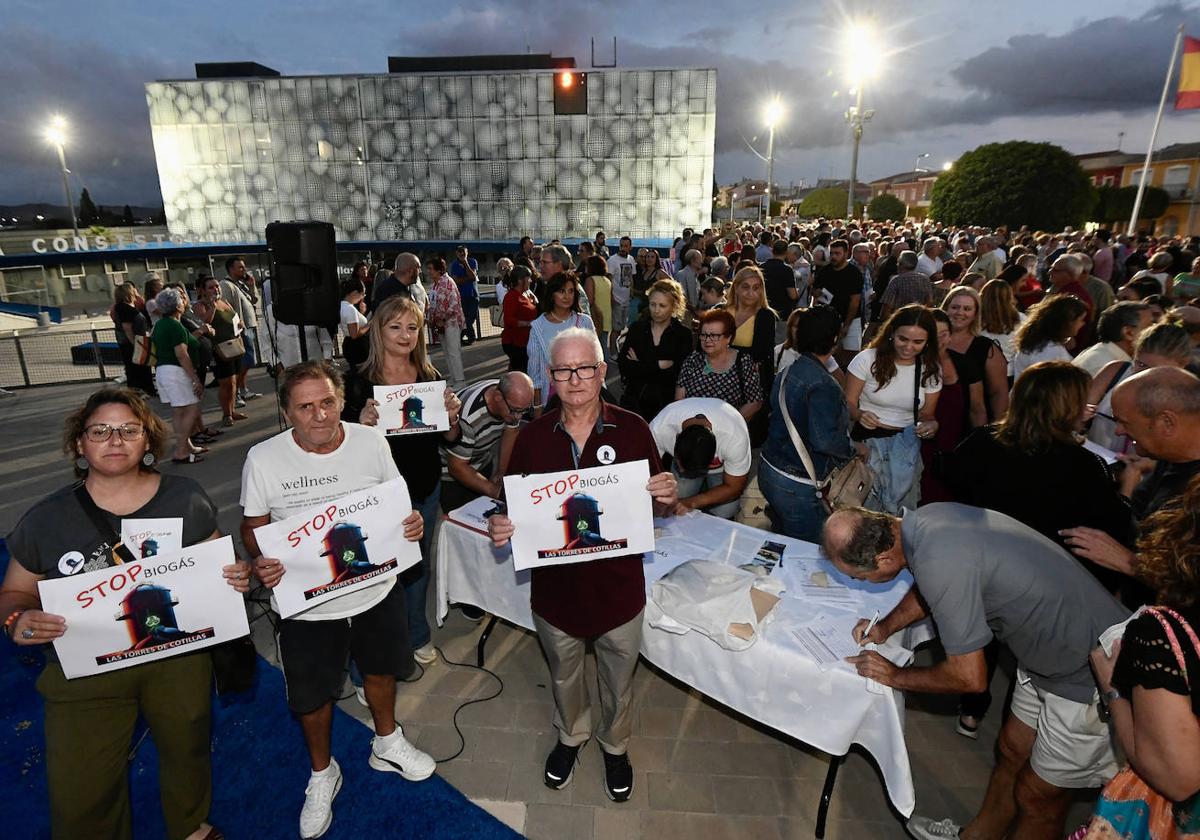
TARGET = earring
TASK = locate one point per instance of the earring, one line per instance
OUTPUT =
(82, 464)
(148, 459)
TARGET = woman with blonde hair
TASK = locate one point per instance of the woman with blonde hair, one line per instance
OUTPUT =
(397, 355)
(963, 305)
(999, 318)
(654, 350)
(754, 320)
(131, 323)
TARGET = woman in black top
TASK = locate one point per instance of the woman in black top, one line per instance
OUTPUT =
(131, 322)
(654, 350)
(648, 271)
(1153, 692)
(397, 356)
(115, 440)
(1033, 467)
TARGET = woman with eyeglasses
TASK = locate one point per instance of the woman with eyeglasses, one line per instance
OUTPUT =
(653, 351)
(397, 355)
(560, 311)
(719, 370)
(115, 441)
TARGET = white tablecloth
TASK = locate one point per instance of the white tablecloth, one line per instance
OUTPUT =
(774, 682)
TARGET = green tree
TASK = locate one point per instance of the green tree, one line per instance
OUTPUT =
(827, 201)
(885, 207)
(1115, 204)
(89, 214)
(1014, 183)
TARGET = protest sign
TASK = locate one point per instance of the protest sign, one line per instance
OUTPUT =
(412, 409)
(557, 516)
(325, 550)
(151, 609)
(151, 537)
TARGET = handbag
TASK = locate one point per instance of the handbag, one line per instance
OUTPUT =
(752, 507)
(231, 350)
(496, 315)
(1128, 807)
(143, 351)
(846, 486)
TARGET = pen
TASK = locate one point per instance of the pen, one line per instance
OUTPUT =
(869, 628)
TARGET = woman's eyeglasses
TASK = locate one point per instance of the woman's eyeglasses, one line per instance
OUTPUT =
(707, 336)
(100, 432)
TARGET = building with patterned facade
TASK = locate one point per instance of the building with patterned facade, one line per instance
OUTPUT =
(436, 155)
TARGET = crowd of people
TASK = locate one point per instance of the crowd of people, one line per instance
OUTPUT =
(1020, 409)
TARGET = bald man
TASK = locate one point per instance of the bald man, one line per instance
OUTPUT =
(983, 575)
(490, 407)
(1160, 409)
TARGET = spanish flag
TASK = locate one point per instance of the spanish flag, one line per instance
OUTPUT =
(1188, 95)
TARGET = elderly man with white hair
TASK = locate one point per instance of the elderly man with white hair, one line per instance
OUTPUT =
(1066, 278)
(930, 262)
(599, 600)
(987, 261)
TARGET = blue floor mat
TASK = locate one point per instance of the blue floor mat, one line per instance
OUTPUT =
(260, 768)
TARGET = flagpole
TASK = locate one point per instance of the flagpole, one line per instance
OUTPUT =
(1162, 104)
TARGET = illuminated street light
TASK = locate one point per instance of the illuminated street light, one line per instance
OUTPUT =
(56, 135)
(947, 166)
(731, 203)
(920, 157)
(772, 114)
(866, 60)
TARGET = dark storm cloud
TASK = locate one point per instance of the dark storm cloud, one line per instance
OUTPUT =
(102, 92)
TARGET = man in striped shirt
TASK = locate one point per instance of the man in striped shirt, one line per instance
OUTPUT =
(488, 408)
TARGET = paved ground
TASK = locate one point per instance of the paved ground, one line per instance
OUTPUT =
(701, 771)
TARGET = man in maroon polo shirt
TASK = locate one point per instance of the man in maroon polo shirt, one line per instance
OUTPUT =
(600, 600)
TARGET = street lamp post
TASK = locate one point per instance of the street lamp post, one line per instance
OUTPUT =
(732, 199)
(861, 46)
(774, 112)
(56, 134)
(920, 157)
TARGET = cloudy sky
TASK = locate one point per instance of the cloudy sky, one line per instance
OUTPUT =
(955, 74)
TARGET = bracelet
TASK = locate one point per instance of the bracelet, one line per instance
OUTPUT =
(11, 621)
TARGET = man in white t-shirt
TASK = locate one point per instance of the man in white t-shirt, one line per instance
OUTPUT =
(318, 460)
(621, 267)
(709, 447)
(930, 261)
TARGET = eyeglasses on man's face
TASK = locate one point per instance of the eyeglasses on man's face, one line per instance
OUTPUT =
(563, 374)
(520, 413)
(100, 432)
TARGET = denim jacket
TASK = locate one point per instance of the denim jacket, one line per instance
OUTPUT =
(817, 406)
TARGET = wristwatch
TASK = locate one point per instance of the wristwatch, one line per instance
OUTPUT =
(1109, 696)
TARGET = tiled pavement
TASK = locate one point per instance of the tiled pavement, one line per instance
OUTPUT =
(702, 773)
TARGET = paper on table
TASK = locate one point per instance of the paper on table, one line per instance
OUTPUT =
(1104, 452)
(827, 641)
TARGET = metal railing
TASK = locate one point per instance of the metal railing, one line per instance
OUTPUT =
(61, 356)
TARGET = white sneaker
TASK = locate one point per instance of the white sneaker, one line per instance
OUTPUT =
(238, 402)
(394, 754)
(317, 813)
(924, 828)
(425, 654)
(250, 395)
